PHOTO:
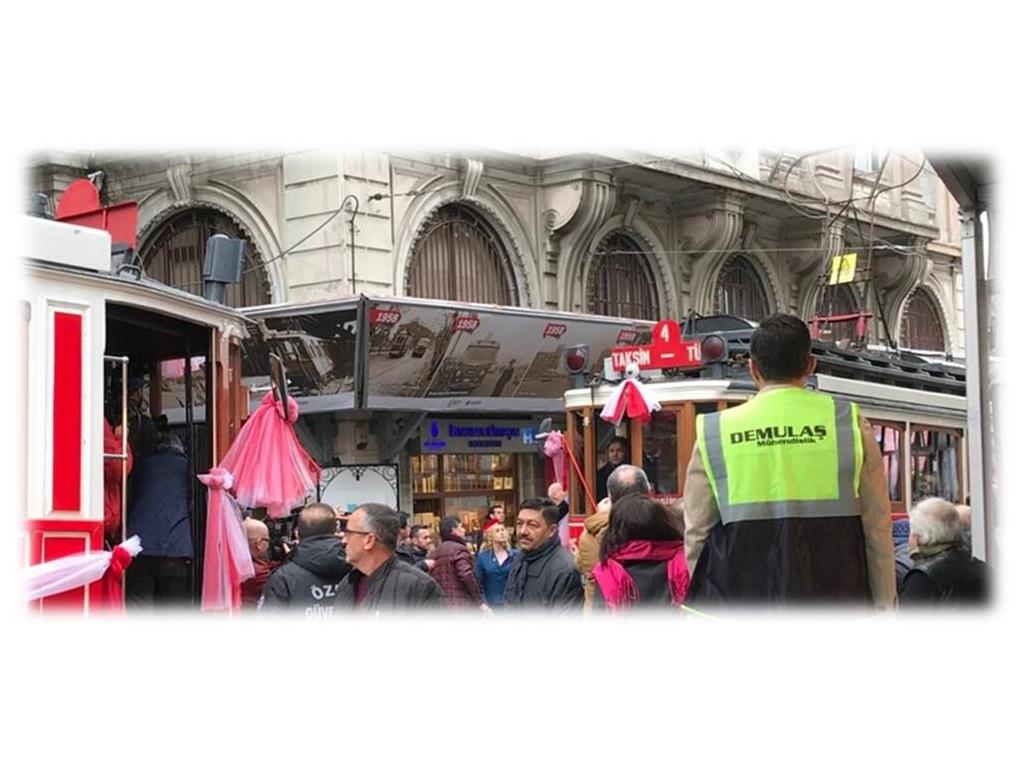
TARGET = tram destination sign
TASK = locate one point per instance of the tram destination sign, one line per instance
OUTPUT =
(666, 350)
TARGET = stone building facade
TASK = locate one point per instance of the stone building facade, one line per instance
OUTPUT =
(626, 234)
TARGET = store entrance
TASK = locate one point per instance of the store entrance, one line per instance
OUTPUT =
(463, 485)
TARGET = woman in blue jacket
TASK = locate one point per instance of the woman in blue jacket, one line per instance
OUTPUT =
(493, 564)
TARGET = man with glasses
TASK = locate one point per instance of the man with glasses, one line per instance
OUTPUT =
(310, 579)
(259, 548)
(379, 581)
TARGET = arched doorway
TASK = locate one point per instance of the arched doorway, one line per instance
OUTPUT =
(460, 257)
(921, 327)
(174, 255)
(620, 283)
(740, 291)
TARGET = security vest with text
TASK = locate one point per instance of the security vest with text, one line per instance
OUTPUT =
(784, 469)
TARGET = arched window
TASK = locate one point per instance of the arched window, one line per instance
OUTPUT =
(175, 252)
(739, 290)
(459, 257)
(839, 300)
(922, 323)
(620, 282)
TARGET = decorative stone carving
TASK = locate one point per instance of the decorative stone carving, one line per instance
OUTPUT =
(632, 208)
(471, 178)
(812, 246)
(896, 276)
(179, 176)
(574, 212)
(715, 236)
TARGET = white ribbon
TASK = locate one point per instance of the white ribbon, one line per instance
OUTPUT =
(64, 573)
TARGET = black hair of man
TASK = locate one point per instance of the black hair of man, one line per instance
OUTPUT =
(545, 506)
(490, 509)
(626, 479)
(383, 523)
(781, 346)
(316, 520)
(414, 530)
(403, 519)
(448, 525)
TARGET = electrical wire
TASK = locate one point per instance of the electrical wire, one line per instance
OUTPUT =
(807, 212)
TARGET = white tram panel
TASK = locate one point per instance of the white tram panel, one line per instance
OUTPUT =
(46, 294)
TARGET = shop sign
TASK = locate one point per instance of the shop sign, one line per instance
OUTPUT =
(478, 436)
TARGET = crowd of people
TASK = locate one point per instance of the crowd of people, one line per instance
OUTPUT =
(786, 502)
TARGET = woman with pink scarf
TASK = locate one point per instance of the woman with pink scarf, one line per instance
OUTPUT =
(643, 563)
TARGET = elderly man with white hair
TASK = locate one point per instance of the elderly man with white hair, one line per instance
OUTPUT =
(944, 571)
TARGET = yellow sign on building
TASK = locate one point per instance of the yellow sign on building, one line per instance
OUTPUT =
(843, 268)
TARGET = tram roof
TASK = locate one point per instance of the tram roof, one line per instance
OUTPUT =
(907, 369)
(70, 252)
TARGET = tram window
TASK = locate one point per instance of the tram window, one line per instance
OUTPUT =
(172, 384)
(706, 407)
(661, 452)
(890, 443)
(577, 498)
(934, 463)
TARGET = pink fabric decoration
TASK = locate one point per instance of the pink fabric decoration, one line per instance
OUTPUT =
(631, 398)
(554, 449)
(227, 562)
(268, 463)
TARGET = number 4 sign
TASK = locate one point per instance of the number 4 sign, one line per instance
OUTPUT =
(667, 350)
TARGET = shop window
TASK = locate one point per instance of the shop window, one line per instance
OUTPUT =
(459, 257)
(661, 452)
(934, 463)
(175, 253)
(740, 291)
(890, 443)
(922, 324)
(462, 486)
(620, 281)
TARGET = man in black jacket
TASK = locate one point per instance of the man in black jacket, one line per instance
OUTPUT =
(310, 579)
(379, 581)
(943, 570)
(414, 551)
(543, 574)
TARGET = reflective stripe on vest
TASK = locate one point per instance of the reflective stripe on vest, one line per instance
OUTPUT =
(792, 453)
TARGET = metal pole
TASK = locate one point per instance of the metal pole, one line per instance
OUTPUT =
(979, 422)
(352, 235)
(123, 456)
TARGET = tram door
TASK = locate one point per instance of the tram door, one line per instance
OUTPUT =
(169, 392)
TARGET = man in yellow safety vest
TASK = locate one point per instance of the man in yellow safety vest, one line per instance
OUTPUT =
(785, 498)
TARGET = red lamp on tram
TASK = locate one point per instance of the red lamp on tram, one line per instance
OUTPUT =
(575, 360)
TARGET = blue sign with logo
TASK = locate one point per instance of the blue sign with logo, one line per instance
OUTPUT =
(478, 436)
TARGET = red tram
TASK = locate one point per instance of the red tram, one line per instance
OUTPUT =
(918, 408)
(85, 323)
